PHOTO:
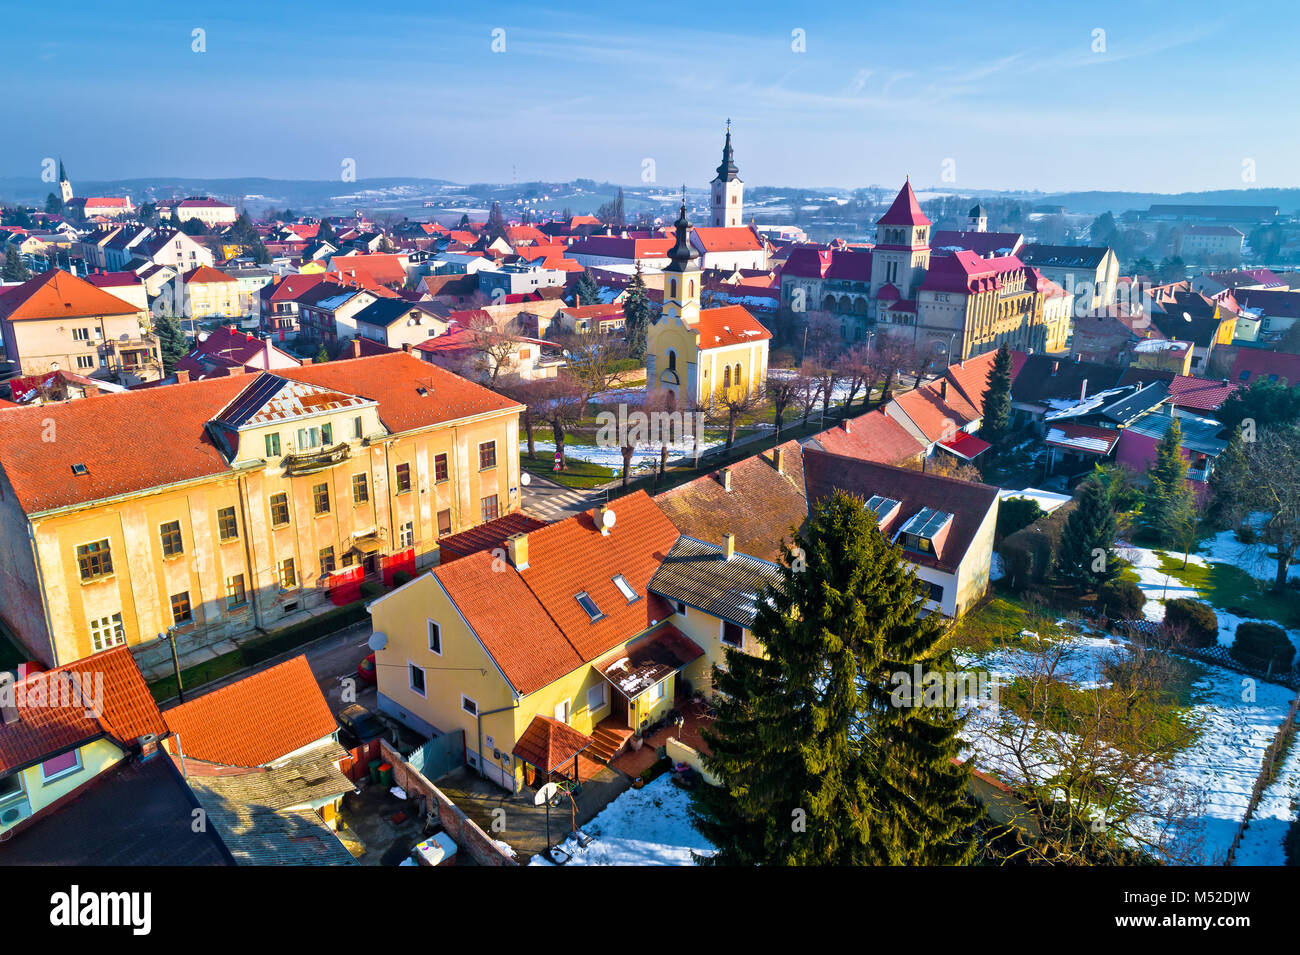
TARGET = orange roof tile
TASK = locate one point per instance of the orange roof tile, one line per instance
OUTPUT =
(256, 720)
(120, 457)
(549, 744)
(727, 239)
(205, 273)
(872, 437)
(56, 294)
(44, 730)
(729, 325)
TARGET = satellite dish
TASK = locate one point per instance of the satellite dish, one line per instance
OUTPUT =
(1187, 316)
(378, 640)
(545, 793)
(525, 479)
(607, 519)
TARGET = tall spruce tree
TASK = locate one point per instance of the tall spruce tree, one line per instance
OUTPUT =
(15, 269)
(996, 426)
(171, 341)
(818, 764)
(1167, 502)
(636, 317)
(496, 224)
(1089, 529)
(1231, 471)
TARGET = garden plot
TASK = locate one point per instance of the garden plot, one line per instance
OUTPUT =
(1221, 764)
(647, 826)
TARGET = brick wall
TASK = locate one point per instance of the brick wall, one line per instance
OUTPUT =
(464, 831)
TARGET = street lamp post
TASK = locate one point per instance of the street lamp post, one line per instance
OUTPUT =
(170, 637)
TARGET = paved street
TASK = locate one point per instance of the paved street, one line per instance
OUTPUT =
(549, 501)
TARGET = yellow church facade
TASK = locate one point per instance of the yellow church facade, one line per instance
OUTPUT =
(696, 358)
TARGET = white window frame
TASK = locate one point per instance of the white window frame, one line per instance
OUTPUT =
(469, 699)
(434, 626)
(411, 667)
(659, 691)
(603, 690)
(625, 588)
(106, 632)
(63, 773)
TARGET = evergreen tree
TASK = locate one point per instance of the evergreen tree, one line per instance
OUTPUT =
(1167, 502)
(620, 219)
(636, 317)
(54, 204)
(1230, 474)
(1089, 528)
(464, 221)
(171, 341)
(818, 762)
(326, 233)
(15, 269)
(585, 290)
(322, 356)
(996, 426)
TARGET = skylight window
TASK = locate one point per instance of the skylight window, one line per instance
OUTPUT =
(79, 470)
(625, 588)
(589, 605)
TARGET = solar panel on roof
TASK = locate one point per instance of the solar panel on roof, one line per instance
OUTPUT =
(927, 522)
(881, 505)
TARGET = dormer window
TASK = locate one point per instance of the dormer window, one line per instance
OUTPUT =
(926, 532)
(589, 605)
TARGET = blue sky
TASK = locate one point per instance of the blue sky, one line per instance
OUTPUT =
(1012, 95)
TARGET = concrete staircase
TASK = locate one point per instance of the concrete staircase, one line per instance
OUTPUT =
(609, 739)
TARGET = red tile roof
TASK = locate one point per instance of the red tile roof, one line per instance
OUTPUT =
(762, 507)
(530, 621)
(489, 536)
(205, 273)
(383, 268)
(968, 502)
(1187, 391)
(44, 729)
(727, 239)
(873, 437)
(1253, 364)
(254, 721)
(729, 325)
(549, 744)
(965, 272)
(971, 377)
(56, 294)
(936, 415)
(103, 432)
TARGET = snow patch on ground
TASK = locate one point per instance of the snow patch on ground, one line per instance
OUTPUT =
(1261, 844)
(647, 826)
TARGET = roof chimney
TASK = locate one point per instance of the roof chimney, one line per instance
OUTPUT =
(1056, 366)
(517, 548)
(182, 377)
(406, 346)
(1083, 390)
(778, 458)
(356, 348)
(728, 545)
(846, 425)
(943, 388)
(725, 477)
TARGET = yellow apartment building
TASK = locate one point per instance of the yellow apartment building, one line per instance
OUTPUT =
(231, 506)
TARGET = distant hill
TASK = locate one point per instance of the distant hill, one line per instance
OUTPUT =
(1287, 200)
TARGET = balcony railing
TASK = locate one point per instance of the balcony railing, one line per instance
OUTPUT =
(306, 462)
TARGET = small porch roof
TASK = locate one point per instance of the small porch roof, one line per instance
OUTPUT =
(965, 446)
(650, 660)
(549, 744)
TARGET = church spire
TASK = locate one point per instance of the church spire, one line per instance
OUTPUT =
(727, 171)
(681, 255)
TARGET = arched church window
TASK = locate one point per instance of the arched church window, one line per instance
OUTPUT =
(673, 288)
(726, 377)
(672, 360)
(691, 286)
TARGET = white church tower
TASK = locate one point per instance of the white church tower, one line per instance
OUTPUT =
(978, 219)
(728, 200)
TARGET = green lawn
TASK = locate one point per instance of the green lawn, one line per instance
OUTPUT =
(998, 622)
(580, 475)
(1231, 588)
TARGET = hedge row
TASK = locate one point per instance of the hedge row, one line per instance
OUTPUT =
(1029, 554)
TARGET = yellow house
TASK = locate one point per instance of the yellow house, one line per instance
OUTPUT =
(695, 357)
(210, 293)
(62, 728)
(575, 623)
(227, 507)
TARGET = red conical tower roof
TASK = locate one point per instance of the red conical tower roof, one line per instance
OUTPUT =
(905, 210)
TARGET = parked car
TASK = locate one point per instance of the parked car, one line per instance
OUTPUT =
(366, 670)
(360, 724)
